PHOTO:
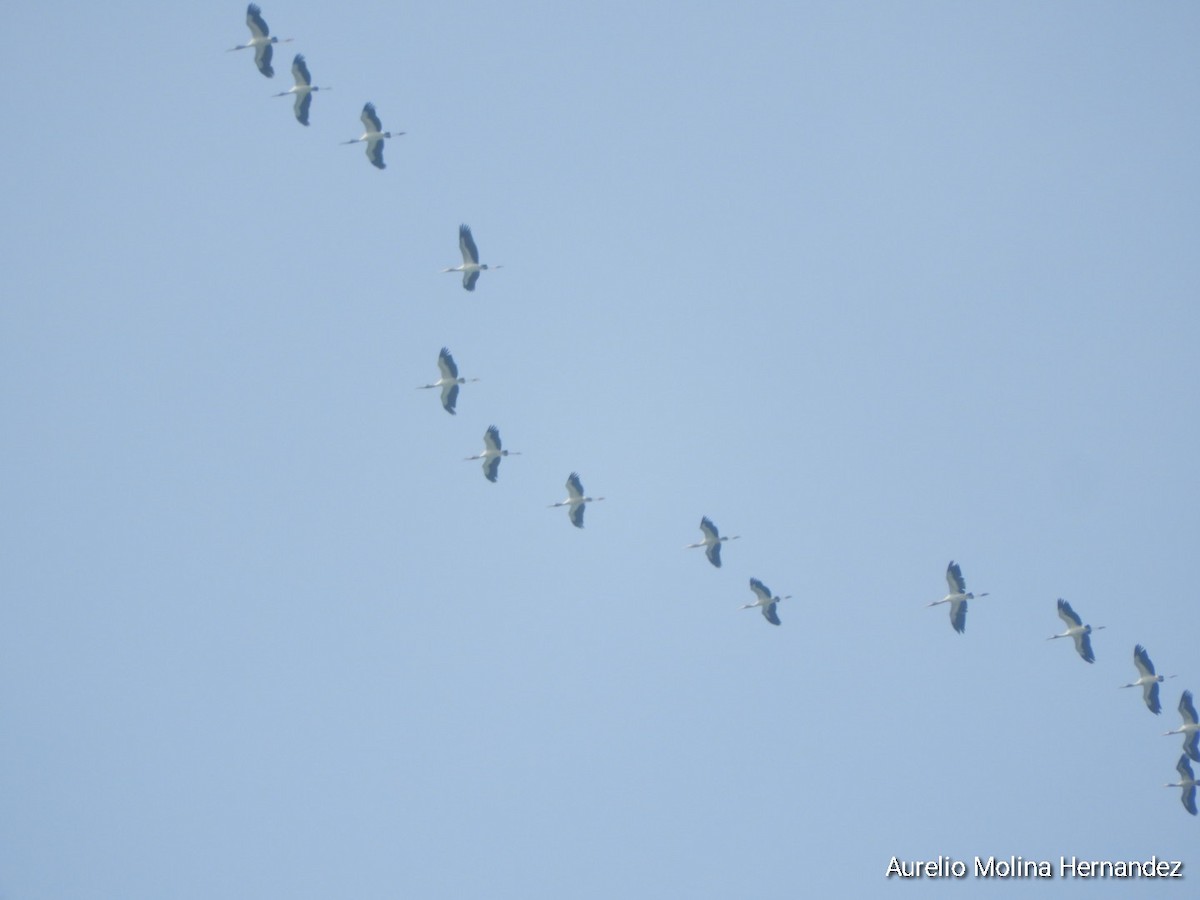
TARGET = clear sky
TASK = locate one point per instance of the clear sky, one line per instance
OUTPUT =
(873, 285)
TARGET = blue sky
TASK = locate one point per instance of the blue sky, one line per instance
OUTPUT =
(873, 285)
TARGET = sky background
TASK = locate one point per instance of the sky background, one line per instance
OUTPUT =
(873, 285)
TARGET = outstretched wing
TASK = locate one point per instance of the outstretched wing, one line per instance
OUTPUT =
(466, 243)
(1187, 708)
(1150, 695)
(770, 614)
(1083, 646)
(954, 578)
(491, 468)
(574, 487)
(300, 71)
(491, 438)
(1141, 659)
(1067, 614)
(576, 514)
(255, 22)
(958, 615)
(760, 590)
(262, 59)
(713, 552)
(1191, 745)
(375, 154)
(369, 119)
(303, 104)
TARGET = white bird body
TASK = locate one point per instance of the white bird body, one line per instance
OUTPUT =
(712, 541)
(1188, 782)
(1190, 729)
(766, 601)
(303, 89)
(1148, 680)
(1077, 630)
(492, 453)
(374, 136)
(575, 500)
(957, 598)
(260, 40)
(471, 266)
(449, 381)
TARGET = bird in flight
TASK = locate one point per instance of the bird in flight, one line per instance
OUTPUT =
(1188, 782)
(575, 500)
(374, 136)
(303, 89)
(1190, 729)
(1077, 630)
(957, 598)
(766, 601)
(470, 254)
(449, 381)
(1148, 680)
(712, 541)
(260, 40)
(492, 453)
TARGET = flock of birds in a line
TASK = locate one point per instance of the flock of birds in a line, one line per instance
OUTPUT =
(1148, 680)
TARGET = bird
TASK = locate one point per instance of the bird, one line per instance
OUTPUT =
(575, 500)
(303, 89)
(1077, 630)
(492, 452)
(470, 253)
(712, 541)
(374, 136)
(449, 381)
(1188, 782)
(1148, 681)
(1190, 728)
(766, 601)
(260, 39)
(957, 598)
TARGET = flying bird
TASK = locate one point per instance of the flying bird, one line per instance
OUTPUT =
(449, 381)
(766, 601)
(1190, 728)
(303, 89)
(1077, 630)
(1188, 782)
(260, 39)
(575, 500)
(374, 135)
(712, 541)
(1148, 680)
(492, 452)
(957, 598)
(470, 253)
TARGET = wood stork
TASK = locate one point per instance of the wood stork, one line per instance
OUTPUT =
(470, 253)
(957, 598)
(575, 500)
(260, 39)
(374, 136)
(1188, 782)
(1148, 681)
(1190, 728)
(766, 601)
(712, 541)
(303, 89)
(492, 452)
(449, 381)
(1077, 630)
